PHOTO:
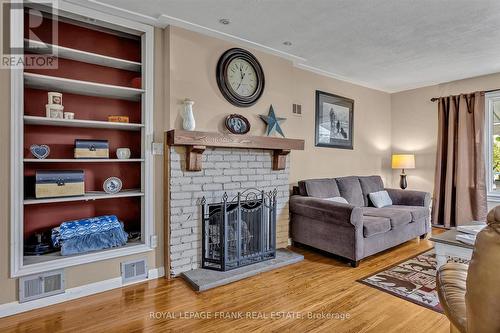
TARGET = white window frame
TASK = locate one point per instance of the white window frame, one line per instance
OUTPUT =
(489, 99)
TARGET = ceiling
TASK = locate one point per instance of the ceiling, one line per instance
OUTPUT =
(390, 45)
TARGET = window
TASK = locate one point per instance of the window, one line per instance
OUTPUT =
(492, 105)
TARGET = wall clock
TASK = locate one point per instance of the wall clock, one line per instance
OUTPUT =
(240, 77)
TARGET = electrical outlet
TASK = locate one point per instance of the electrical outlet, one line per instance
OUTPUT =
(157, 148)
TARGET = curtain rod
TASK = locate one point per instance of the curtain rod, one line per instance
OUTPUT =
(433, 99)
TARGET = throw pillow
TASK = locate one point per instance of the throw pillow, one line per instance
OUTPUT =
(337, 199)
(380, 199)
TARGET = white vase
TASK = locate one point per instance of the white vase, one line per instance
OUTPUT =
(188, 122)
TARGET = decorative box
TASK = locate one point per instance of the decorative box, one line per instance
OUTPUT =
(59, 183)
(54, 111)
(91, 148)
(118, 119)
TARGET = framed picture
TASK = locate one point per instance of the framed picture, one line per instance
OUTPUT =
(237, 124)
(334, 121)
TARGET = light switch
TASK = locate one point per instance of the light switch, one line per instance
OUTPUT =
(157, 148)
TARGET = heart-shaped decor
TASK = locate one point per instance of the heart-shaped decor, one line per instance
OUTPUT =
(40, 151)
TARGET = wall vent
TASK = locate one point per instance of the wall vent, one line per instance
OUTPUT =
(134, 270)
(40, 285)
(297, 109)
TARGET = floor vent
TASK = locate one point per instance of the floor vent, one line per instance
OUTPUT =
(40, 285)
(134, 270)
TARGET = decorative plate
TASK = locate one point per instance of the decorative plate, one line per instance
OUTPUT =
(112, 185)
(237, 124)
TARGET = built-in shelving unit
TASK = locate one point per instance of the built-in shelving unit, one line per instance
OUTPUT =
(107, 72)
(44, 121)
(79, 55)
(53, 83)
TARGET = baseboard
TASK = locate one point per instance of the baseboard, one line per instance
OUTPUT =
(9, 309)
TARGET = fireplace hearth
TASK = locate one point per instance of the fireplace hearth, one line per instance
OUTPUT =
(239, 231)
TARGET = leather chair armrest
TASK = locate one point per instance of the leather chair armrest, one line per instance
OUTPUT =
(327, 211)
(409, 198)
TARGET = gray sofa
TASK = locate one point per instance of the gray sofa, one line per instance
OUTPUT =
(358, 229)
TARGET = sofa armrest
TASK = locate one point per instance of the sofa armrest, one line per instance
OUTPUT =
(327, 211)
(409, 198)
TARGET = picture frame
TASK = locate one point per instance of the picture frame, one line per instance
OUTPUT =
(237, 124)
(334, 123)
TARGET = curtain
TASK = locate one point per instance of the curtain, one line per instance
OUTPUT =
(459, 183)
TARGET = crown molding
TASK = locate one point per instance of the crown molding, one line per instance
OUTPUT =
(165, 20)
(339, 77)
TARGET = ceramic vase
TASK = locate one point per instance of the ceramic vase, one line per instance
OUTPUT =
(188, 122)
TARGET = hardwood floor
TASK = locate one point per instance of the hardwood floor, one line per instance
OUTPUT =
(318, 285)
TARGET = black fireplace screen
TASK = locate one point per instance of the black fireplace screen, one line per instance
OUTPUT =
(239, 232)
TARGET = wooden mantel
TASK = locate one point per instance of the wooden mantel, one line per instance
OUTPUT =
(196, 143)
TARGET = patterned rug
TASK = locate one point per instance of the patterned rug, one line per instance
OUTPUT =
(413, 280)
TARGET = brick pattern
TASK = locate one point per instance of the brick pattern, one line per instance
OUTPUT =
(224, 170)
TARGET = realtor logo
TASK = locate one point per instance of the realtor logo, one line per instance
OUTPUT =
(29, 34)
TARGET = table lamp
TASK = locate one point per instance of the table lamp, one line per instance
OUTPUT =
(403, 161)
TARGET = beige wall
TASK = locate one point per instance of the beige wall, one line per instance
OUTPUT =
(193, 61)
(185, 67)
(414, 124)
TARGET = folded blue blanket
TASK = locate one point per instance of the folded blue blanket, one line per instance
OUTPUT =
(89, 234)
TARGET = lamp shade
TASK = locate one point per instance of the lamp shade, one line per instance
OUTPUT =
(403, 161)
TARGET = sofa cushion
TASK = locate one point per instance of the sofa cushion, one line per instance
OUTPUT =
(380, 199)
(398, 217)
(350, 189)
(373, 225)
(320, 188)
(417, 212)
(370, 184)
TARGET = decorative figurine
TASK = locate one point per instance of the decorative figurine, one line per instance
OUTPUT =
(272, 122)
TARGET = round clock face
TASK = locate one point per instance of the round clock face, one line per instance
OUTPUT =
(240, 77)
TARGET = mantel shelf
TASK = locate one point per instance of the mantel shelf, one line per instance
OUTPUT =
(196, 143)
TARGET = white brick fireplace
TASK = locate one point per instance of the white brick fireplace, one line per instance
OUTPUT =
(230, 170)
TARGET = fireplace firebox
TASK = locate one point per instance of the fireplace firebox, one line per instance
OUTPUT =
(240, 231)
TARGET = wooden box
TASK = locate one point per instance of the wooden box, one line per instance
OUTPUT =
(59, 183)
(91, 148)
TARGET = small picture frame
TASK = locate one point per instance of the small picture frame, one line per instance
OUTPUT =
(237, 124)
(334, 121)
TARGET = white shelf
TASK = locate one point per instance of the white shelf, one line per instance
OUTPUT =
(53, 83)
(87, 197)
(32, 120)
(35, 259)
(83, 56)
(82, 160)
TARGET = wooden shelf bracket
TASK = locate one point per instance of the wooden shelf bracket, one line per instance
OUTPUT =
(279, 158)
(194, 156)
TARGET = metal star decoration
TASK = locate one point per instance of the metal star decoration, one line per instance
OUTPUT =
(272, 122)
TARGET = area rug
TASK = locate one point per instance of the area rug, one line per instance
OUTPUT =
(413, 280)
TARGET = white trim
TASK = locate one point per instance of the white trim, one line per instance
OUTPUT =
(321, 72)
(9, 309)
(16, 150)
(82, 259)
(492, 196)
(165, 20)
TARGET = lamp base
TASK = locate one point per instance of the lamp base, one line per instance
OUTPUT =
(403, 183)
